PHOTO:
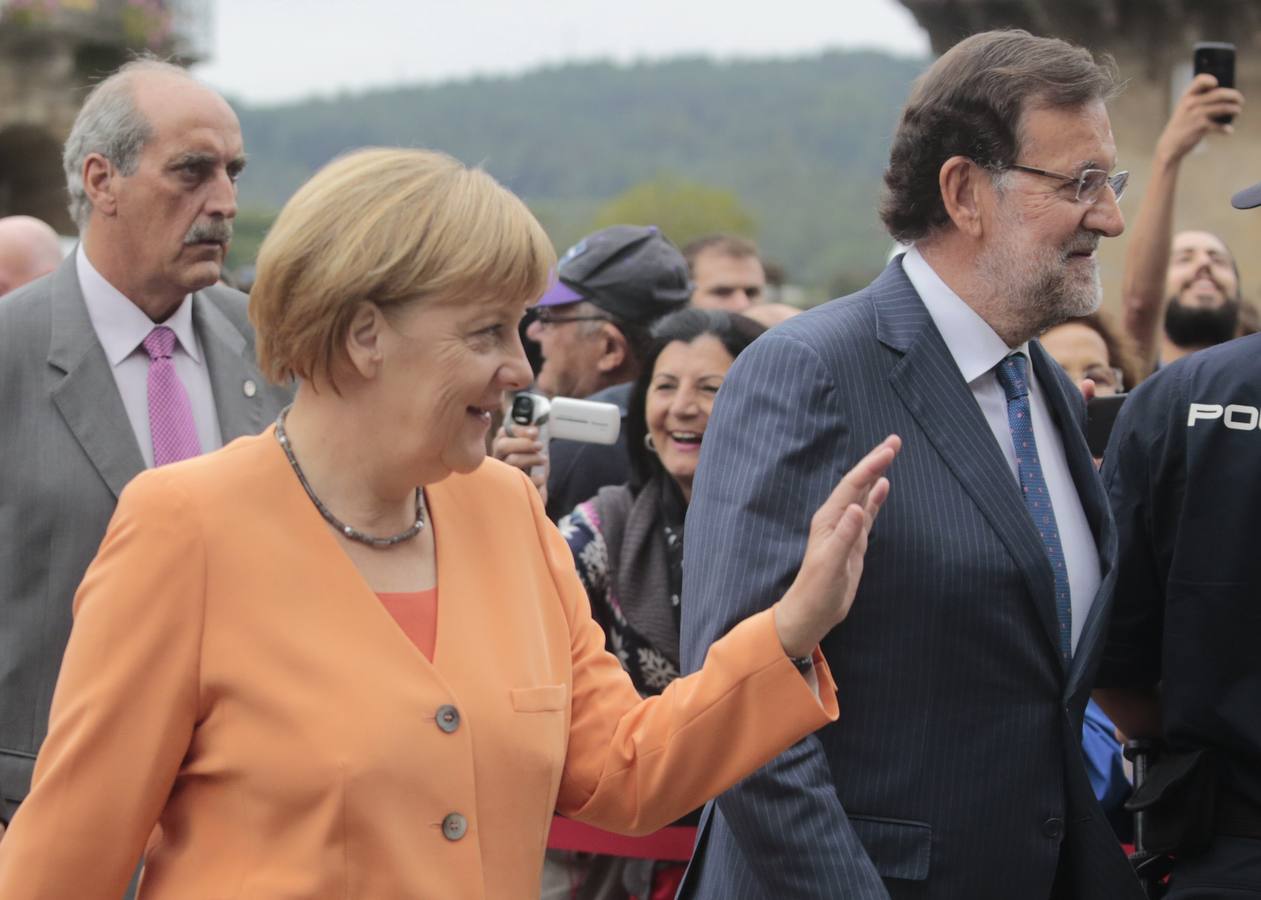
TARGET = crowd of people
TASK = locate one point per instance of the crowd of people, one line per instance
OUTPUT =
(849, 609)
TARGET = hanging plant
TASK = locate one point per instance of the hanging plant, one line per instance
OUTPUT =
(146, 23)
(27, 13)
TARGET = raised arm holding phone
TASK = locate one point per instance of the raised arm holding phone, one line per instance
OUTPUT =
(1159, 267)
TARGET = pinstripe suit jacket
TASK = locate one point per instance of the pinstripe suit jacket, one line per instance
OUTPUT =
(955, 769)
(66, 451)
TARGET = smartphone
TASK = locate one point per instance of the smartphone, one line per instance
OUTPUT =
(1218, 60)
(1101, 415)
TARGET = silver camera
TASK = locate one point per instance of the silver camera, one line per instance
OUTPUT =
(566, 418)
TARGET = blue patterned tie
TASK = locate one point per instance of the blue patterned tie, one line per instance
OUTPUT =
(1011, 375)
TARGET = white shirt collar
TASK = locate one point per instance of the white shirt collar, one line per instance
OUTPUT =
(975, 346)
(119, 324)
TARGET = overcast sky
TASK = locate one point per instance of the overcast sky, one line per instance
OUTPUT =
(273, 50)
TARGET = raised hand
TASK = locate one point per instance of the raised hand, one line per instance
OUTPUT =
(521, 448)
(823, 591)
(1193, 117)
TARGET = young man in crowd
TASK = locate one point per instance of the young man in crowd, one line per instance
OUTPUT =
(1180, 292)
(727, 273)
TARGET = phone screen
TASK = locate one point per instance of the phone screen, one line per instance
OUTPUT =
(1101, 415)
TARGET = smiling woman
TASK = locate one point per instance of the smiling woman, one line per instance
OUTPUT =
(421, 284)
(350, 657)
(627, 543)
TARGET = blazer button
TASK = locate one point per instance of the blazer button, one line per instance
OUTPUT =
(454, 827)
(448, 718)
(1053, 828)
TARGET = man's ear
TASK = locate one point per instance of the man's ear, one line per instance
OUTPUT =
(364, 345)
(100, 183)
(614, 349)
(962, 183)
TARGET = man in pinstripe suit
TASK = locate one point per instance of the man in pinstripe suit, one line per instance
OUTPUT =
(955, 770)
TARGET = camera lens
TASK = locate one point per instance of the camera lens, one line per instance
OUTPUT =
(522, 409)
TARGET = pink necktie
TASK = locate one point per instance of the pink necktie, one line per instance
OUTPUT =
(170, 413)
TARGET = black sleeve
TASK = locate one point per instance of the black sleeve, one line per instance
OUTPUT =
(579, 470)
(1143, 457)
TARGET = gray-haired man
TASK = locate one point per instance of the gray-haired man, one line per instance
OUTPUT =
(123, 357)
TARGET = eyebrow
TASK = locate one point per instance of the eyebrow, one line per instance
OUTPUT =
(1094, 164)
(194, 158)
(704, 377)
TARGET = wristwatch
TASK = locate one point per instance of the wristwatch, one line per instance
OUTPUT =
(803, 664)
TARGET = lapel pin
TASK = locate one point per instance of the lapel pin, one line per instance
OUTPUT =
(249, 388)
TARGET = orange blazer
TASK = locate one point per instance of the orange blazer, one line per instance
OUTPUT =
(233, 681)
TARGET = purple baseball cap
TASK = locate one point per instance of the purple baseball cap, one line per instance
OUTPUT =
(559, 293)
(1248, 198)
(632, 272)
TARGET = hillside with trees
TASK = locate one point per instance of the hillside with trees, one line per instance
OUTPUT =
(789, 152)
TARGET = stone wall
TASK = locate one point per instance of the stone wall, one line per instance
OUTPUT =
(50, 55)
(40, 93)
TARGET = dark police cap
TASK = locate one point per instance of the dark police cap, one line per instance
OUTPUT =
(632, 272)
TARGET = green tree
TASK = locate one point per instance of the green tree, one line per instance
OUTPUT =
(683, 210)
(250, 228)
(801, 142)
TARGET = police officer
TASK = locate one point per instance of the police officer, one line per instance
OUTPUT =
(1183, 659)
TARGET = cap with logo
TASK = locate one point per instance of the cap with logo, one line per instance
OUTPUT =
(632, 272)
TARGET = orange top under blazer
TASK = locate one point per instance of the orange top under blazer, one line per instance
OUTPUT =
(231, 678)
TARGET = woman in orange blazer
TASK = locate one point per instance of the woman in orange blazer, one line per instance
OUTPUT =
(349, 658)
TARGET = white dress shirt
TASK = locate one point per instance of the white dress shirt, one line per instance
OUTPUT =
(121, 327)
(977, 349)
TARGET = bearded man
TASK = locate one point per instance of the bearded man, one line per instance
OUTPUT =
(1202, 293)
(955, 769)
(1193, 277)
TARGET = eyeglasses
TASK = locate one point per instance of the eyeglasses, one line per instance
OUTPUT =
(1089, 183)
(545, 316)
(1110, 377)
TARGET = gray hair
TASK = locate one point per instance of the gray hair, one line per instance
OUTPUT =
(109, 124)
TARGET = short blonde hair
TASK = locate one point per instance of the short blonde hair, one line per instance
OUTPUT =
(387, 226)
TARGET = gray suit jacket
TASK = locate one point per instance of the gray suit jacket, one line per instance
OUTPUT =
(955, 769)
(66, 451)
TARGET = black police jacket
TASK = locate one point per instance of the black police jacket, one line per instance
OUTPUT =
(1183, 472)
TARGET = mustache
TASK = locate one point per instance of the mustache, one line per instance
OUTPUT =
(1203, 273)
(1085, 243)
(217, 230)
